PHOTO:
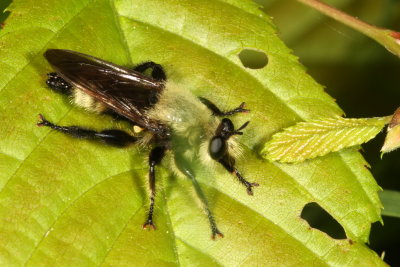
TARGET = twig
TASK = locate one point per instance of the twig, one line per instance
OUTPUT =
(388, 38)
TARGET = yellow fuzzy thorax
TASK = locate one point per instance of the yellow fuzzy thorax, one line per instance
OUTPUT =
(192, 124)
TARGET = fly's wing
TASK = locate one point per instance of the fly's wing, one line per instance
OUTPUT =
(125, 91)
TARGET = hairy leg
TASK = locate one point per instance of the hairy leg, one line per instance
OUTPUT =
(111, 137)
(157, 71)
(217, 112)
(228, 164)
(156, 155)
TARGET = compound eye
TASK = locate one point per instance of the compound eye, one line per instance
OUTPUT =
(217, 147)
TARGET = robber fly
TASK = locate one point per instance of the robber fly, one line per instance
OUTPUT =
(172, 119)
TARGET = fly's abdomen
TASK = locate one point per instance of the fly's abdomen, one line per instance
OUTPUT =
(85, 101)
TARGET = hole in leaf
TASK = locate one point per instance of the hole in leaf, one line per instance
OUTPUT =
(319, 219)
(253, 59)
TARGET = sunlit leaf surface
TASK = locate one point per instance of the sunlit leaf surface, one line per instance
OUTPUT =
(78, 203)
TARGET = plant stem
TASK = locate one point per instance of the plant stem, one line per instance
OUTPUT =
(388, 38)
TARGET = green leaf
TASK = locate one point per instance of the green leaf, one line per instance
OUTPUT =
(307, 140)
(390, 200)
(72, 202)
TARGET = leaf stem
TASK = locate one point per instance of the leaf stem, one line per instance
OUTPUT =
(388, 38)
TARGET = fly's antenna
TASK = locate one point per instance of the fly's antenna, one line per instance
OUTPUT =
(237, 131)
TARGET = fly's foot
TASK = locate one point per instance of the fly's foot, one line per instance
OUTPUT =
(241, 109)
(43, 121)
(216, 233)
(149, 224)
(250, 188)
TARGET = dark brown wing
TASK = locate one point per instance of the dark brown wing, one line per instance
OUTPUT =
(125, 91)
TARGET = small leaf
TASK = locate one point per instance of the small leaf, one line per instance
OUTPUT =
(392, 140)
(307, 140)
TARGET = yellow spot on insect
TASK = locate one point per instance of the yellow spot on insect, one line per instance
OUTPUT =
(137, 129)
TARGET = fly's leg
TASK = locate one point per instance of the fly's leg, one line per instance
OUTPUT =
(157, 71)
(217, 112)
(116, 138)
(110, 137)
(156, 155)
(228, 164)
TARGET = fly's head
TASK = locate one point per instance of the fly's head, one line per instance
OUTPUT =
(218, 146)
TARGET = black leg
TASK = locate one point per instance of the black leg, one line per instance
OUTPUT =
(58, 84)
(111, 137)
(156, 155)
(229, 163)
(217, 112)
(157, 71)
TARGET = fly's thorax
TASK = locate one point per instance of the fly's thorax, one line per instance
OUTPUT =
(182, 112)
(191, 123)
